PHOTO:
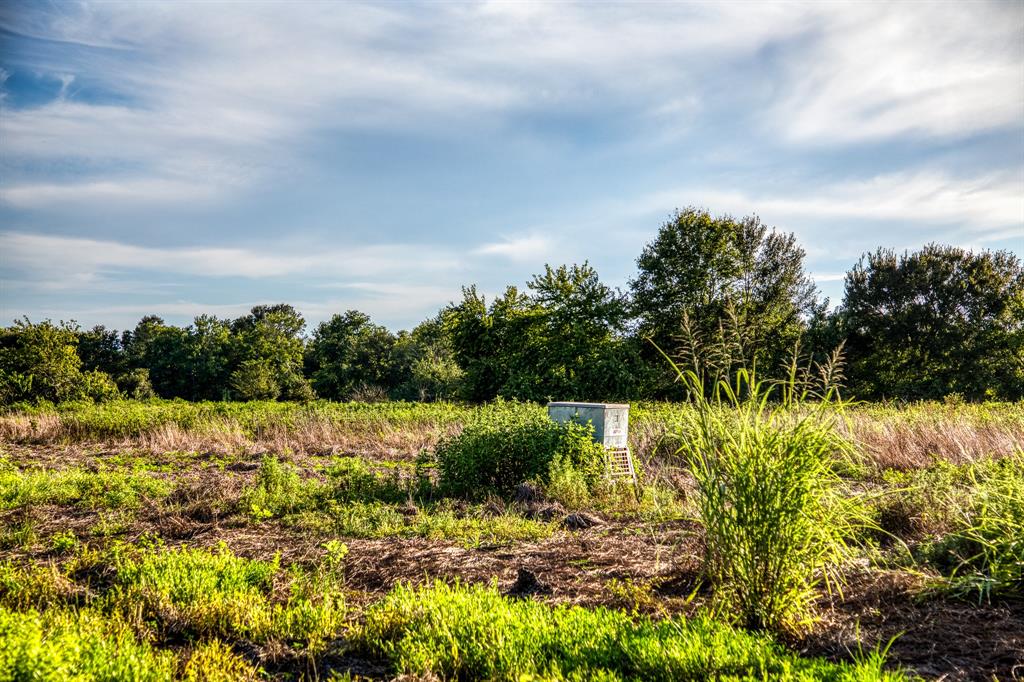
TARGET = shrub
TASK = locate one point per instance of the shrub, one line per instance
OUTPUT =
(473, 633)
(279, 490)
(496, 452)
(768, 496)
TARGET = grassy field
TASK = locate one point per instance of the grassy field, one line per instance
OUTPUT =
(167, 540)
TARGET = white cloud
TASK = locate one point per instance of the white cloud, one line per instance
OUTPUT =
(978, 205)
(123, 192)
(69, 261)
(878, 70)
(218, 92)
(531, 248)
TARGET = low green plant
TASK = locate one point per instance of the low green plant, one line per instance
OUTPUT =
(278, 490)
(768, 494)
(79, 487)
(64, 542)
(214, 661)
(220, 594)
(474, 633)
(985, 552)
(351, 479)
(58, 645)
(436, 521)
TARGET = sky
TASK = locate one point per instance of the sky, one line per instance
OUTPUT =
(184, 158)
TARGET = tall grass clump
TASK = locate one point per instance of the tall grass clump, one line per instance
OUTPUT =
(501, 448)
(985, 551)
(474, 633)
(768, 494)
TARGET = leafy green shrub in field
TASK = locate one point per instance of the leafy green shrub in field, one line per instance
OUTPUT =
(218, 593)
(499, 450)
(350, 479)
(62, 645)
(278, 490)
(769, 497)
(473, 633)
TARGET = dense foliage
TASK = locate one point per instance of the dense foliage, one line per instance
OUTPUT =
(719, 293)
(502, 448)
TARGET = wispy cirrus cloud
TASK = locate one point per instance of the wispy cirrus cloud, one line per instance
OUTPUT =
(530, 248)
(68, 260)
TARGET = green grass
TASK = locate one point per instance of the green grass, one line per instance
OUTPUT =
(473, 633)
(769, 498)
(360, 502)
(220, 594)
(78, 487)
(970, 522)
(86, 645)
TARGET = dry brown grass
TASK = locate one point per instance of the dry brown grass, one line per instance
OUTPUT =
(911, 439)
(315, 437)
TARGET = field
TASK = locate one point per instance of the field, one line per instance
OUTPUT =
(166, 539)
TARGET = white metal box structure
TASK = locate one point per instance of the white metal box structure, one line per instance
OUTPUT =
(611, 429)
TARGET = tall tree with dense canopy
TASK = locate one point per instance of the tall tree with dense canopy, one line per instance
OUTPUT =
(268, 343)
(349, 354)
(938, 321)
(735, 280)
(582, 353)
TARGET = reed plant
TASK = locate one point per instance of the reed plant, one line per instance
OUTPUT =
(766, 459)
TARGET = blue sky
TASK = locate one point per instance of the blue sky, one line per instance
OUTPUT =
(184, 158)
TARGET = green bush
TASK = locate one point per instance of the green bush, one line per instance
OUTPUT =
(499, 450)
(279, 490)
(769, 497)
(473, 633)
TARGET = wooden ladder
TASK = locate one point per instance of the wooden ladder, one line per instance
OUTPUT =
(619, 463)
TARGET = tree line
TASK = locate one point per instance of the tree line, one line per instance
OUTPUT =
(714, 292)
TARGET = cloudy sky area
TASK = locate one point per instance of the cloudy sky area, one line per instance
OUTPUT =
(183, 158)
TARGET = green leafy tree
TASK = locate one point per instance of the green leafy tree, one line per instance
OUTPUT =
(100, 349)
(469, 326)
(209, 357)
(271, 336)
(349, 354)
(934, 322)
(581, 351)
(423, 364)
(39, 362)
(255, 380)
(164, 351)
(721, 281)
